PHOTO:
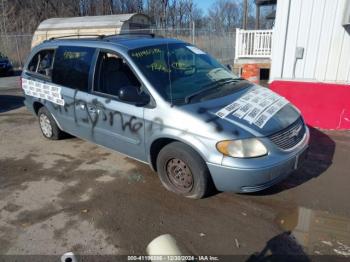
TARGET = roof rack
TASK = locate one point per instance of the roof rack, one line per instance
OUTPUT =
(66, 36)
(100, 37)
(152, 35)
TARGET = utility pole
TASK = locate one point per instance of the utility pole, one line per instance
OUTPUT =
(193, 31)
(164, 5)
(245, 14)
(257, 17)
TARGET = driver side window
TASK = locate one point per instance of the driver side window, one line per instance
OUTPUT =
(112, 73)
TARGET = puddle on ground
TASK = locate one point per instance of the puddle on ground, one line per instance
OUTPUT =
(318, 232)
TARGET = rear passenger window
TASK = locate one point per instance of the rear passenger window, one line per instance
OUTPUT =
(41, 63)
(72, 66)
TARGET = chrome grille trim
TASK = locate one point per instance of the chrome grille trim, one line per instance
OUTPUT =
(290, 136)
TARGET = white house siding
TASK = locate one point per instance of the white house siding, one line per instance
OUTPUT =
(315, 25)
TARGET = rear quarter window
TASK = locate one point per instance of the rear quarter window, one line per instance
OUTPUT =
(72, 66)
(42, 62)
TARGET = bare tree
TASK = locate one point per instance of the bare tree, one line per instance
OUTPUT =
(19, 16)
(224, 15)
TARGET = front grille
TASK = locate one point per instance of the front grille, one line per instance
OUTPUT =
(290, 136)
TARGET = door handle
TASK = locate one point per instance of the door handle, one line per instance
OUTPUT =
(92, 109)
(81, 106)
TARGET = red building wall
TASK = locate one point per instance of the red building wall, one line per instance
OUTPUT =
(323, 105)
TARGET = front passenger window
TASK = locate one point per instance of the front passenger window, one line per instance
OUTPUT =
(113, 73)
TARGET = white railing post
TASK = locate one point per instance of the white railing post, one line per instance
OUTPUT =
(237, 43)
(253, 43)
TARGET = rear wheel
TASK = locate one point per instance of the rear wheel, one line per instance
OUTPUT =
(182, 170)
(48, 125)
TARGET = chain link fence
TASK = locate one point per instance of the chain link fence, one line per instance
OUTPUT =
(16, 48)
(220, 45)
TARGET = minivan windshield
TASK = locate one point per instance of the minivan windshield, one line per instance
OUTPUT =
(182, 73)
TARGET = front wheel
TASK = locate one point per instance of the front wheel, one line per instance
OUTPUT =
(183, 171)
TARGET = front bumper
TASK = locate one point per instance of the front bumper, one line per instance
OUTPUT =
(245, 180)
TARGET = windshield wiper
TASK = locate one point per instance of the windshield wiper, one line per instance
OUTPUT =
(239, 79)
(211, 86)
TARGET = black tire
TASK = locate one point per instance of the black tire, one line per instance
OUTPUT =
(56, 132)
(174, 161)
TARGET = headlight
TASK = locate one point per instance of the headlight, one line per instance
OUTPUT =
(243, 148)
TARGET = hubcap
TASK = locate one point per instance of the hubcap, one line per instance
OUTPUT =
(45, 125)
(179, 175)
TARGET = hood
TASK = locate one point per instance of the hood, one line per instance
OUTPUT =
(253, 110)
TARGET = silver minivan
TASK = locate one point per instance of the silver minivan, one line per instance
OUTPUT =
(169, 104)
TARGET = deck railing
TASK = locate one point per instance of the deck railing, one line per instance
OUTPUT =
(253, 43)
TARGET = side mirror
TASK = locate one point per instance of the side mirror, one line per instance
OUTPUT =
(229, 67)
(132, 95)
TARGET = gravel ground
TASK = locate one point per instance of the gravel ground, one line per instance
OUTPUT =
(72, 195)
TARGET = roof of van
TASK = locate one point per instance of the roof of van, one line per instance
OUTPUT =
(126, 42)
(132, 43)
(87, 21)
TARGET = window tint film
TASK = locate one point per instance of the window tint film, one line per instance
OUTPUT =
(113, 73)
(42, 62)
(72, 66)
